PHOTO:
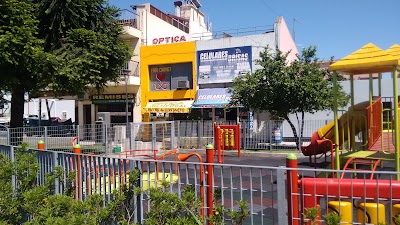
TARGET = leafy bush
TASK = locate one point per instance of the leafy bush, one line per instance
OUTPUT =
(332, 218)
(236, 217)
(311, 215)
(29, 203)
(169, 208)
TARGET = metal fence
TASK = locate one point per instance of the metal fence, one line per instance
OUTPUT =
(263, 188)
(98, 138)
(196, 134)
(161, 135)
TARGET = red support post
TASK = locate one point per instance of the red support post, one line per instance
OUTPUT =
(292, 189)
(237, 136)
(209, 171)
(226, 137)
(40, 145)
(77, 151)
(219, 146)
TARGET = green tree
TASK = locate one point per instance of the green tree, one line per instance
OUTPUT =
(21, 53)
(60, 47)
(283, 88)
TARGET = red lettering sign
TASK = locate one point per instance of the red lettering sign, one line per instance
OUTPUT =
(167, 40)
(161, 86)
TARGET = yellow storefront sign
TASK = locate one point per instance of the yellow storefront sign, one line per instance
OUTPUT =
(168, 107)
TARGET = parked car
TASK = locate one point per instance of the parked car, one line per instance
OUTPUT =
(55, 127)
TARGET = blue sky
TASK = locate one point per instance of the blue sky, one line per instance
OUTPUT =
(337, 28)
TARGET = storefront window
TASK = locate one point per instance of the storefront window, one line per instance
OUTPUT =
(231, 114)
(207, 114)
(219, 114)
(194, 114)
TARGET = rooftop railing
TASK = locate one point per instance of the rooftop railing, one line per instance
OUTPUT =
(128, 18)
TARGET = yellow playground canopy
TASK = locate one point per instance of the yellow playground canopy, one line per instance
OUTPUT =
(394, 51)
(368, 59)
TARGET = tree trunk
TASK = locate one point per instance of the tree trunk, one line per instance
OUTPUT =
(48, 110)
(40, 112)
(17, 115)
(294, 131)
(301, 129)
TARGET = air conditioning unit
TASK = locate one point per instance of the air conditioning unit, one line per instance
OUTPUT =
(183, 84)
(64, 115)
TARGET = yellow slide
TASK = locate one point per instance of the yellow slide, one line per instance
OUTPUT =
(327, 131)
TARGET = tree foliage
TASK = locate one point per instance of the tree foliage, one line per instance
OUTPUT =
(283, 88)
(27, 202)
(61, 47)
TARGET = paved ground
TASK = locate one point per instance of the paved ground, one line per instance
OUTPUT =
(258, 158)
(257, 187)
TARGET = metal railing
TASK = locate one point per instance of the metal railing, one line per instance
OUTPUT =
(98, 138)
(374, 115)
(196, 134)
(181, 24)
(132, 67)
(234, 32)
(128, 18)
(262, 187)
(108, 138)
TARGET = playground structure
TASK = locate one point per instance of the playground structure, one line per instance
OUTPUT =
(378, 126)
(369, 197)
(226, 137)
(381, 143)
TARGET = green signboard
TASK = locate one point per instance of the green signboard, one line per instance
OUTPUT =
(113, 99)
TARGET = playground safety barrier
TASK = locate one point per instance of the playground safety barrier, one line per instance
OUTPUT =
(261, 187)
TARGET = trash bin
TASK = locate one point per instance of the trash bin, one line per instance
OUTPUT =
(117, 149)
(277, 135)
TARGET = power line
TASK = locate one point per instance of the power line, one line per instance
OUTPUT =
(270, 8)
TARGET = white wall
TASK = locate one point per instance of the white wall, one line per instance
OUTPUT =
(153, 27)
(57, 107)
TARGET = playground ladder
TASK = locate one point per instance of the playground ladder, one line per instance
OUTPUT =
(361, 161)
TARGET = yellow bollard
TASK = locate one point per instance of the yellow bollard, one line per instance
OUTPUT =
(343, 208)
(395, 212)
(226, 138)
(374, 213)
(231, 137)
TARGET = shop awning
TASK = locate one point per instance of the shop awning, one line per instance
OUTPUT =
(212, 98)
(168, 107)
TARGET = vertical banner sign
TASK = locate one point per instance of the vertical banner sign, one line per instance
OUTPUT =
(251, 121)
(223, 65)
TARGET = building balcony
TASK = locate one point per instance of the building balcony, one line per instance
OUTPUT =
(129, 21)
(130, 74)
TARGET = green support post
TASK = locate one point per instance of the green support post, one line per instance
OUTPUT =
(396, 120)
(380, 84)
(371, 89)
(335, 117)
(353, 125)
